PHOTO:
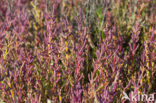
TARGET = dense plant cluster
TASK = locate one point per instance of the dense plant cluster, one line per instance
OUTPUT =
(76, 51)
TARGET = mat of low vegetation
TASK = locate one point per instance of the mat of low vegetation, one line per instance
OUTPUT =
(76, 51)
